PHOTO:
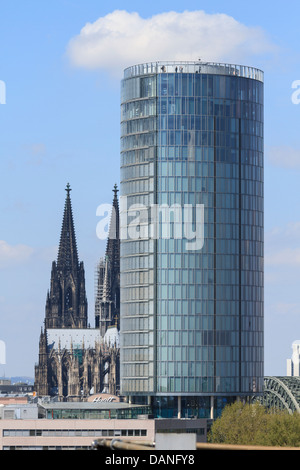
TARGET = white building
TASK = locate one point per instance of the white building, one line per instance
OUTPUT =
(293, 364)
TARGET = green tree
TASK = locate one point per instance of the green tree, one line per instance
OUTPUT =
(239, 424)
(283, 430)
(252, 424)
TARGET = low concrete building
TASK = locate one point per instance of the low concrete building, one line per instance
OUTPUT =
(52, 425)
(73, 434)
(68, 434)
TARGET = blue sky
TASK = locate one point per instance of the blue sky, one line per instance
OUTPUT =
(61, 123)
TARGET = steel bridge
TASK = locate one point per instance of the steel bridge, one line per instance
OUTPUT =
(281, 393)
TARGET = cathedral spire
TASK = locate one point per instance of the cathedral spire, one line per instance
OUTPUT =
(107, 305)
(67, 254)
(113, 241)
(66, 304)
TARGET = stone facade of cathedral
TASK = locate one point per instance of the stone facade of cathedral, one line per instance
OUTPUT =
(74, 360)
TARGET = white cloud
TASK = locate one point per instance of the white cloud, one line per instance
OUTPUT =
(285, 257)
(282, 246)
(285, 308)
(13, 254)
(287, 234)
(121, 39)
(37, 152)
(284, 156)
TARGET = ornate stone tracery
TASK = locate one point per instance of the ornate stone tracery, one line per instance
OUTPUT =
(74, 370)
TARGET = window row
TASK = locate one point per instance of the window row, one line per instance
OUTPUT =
(227, 259)
(137, 247)
(205, 292)
(218, 186)
(138, 186)
(212, 237)
(138, 339)
(209, 107)
(137, 323)
(137, 156)
(136, 126)
(136, 354)
(207, 123)
(137, 307)
(137, 171)
(198, 338)
(205, 309)
(208, 261)
(138, 109)
(220, 155)
(138, 140)
(206, 169)
(220, 86)
(207, 197)
(216, 338)
(72, 432)
(209, 385)
(198, 369)
(136, 262)
(137, 293)
(141, 199)
(220, 276)
(223, 142)
(199, 323)
(145, 384)
(253, 353)
(138, 87)
(137, 278)
(137, 370)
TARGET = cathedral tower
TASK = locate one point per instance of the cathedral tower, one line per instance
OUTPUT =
(74, 360)
(66, 305)
(107, 305)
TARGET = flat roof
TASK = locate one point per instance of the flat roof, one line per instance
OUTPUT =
(79, 337)
(198, 66)
(73, 337)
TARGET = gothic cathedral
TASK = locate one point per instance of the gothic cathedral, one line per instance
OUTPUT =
(76, 361)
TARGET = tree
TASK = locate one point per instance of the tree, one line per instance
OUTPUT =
(252, 424)
(239, 424)
(283, 430)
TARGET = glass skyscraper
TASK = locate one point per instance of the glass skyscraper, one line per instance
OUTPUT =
(191, 212)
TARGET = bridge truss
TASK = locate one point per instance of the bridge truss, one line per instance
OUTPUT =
(281, 393)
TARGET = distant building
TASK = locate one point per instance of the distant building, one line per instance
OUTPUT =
(74, 360)
(7, 388)
(293, 364)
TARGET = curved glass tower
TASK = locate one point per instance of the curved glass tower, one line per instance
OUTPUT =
(191, 235)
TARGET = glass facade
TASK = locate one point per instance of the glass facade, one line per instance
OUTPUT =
(191, 230)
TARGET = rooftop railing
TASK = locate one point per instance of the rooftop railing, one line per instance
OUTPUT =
(194, 67)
